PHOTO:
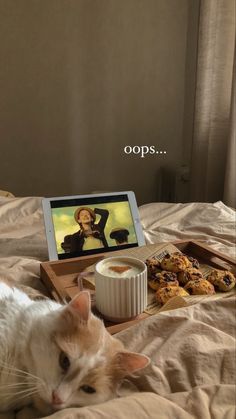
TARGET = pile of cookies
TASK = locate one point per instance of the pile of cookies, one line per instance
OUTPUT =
(179, 275)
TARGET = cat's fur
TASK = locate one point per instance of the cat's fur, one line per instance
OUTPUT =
(38, 338)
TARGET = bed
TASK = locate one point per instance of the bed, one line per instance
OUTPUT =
(192, 348)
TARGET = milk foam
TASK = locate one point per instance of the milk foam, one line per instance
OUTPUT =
(106, 271)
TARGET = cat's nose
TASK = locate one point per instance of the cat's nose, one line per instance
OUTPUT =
(55, 398)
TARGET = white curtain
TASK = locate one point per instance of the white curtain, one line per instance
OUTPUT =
(212, 139)
(230, 174)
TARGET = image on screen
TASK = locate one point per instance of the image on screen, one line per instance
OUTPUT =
(92, 225)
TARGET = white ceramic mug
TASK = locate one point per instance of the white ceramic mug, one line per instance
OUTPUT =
(121, 296)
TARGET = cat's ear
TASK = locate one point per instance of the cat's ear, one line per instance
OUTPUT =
(81, 305)
(130, 362)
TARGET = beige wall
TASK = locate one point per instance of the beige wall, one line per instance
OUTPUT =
(80, 79)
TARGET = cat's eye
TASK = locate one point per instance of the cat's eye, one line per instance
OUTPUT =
(64, 361)
(88, 389)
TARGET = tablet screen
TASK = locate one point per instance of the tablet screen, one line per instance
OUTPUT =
(90, 225)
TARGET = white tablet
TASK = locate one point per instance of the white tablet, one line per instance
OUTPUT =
(89, 224)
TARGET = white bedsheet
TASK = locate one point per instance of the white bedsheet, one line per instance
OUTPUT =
(215, 224)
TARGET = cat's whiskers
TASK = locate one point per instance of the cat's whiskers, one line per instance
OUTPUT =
(21, 396)
(12, 370)
(10, 373)
(26, 390)
(20, 384)
(12, 390)
(27, 395)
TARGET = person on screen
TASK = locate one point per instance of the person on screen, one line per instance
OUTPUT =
(120, 235)
(90, 235)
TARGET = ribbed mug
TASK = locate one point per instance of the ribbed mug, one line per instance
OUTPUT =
(121, 298)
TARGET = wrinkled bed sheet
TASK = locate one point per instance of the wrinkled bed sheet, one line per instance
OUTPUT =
(214, 224)
(192, 348)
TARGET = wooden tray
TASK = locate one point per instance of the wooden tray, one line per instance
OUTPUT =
(60, 277)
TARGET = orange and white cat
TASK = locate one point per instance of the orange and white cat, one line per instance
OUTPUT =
(54, 356)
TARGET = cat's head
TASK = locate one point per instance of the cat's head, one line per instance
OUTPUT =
(75, 359)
